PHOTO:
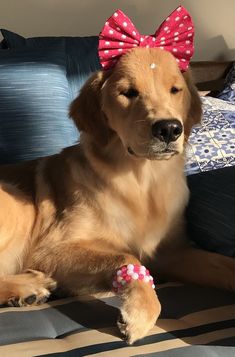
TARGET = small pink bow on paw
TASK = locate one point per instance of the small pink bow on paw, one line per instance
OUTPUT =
(175, 35)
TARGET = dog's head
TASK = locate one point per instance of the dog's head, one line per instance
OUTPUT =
(145, 100)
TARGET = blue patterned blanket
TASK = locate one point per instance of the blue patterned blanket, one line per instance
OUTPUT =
(212, 144)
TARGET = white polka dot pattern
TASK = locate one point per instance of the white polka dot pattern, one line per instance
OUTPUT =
(175, 35)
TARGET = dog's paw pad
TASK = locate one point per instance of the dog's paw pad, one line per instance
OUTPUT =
(19, 301)
(14, 302)
(30, 299)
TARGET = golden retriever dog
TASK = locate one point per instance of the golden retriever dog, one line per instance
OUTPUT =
(118, 197)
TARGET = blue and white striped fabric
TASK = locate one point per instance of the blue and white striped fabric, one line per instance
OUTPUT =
(34, 101)
(194, 322)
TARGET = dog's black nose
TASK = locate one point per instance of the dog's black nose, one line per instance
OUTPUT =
(167, 130)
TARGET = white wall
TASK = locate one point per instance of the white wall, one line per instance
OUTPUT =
(214, 19)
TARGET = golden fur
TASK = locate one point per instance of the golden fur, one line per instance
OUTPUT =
(76, 217)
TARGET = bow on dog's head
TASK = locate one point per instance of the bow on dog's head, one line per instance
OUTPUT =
(175, 35)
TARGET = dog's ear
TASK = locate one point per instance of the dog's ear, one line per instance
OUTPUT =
(86, 109)
(195, 109)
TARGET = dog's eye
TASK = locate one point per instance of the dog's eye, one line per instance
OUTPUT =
(175, 90)
(131, 93)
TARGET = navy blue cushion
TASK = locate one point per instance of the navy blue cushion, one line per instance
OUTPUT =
(12, 39)
(34, 101)
(82, 56)
(3, 44)
(211, 210)
(228, 91)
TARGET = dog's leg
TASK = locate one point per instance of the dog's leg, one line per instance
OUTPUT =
(81, 267)
(192, 265)
(29, 288)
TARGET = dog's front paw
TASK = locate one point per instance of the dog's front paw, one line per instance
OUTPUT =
(28, 289)
(139, 311)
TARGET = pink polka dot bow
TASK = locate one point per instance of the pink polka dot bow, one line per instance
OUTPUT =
(175, 35)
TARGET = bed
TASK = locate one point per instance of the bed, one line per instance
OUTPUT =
(194, 321)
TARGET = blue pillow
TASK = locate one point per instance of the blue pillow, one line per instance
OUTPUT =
(81, 54)
(228, 92)
(34, 101)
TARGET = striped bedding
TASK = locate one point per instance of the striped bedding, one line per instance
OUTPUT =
(195, 322)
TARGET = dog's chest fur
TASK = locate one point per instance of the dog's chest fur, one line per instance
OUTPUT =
(137, 213)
